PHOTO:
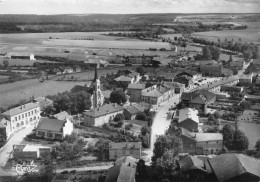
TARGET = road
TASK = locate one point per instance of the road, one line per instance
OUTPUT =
(160, 124)
(86, 168)
(16, 139)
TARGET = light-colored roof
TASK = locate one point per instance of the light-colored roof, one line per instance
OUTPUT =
(21, 109)
(31, 148)
(223, 81)
(106, 93)
(202, 137)
(18, 54)
(123, 79)
(188, 113)
(121, 173)
(43, 101)
(250, 76)
(121, 145)
(103, 110)
(252, 96)
(188, 163)
(127, 160)
(139, 86)
(62, 115)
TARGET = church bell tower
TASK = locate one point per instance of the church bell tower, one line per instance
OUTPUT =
(97, 97)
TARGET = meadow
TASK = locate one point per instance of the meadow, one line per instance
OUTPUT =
(247, 35)
(12, 93)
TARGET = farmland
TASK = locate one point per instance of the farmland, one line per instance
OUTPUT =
(248, 35)
(12, 93)
(109, 44)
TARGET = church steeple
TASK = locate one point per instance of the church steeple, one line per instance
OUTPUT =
(96, 75)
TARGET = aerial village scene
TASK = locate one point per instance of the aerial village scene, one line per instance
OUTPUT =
(130, 91)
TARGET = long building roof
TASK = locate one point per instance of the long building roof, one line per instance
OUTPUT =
(21, 109)
(103, 110)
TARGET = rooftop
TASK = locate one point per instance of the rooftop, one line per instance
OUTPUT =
(105, 109)
(247, 76)
(123, 79)
(233, 166)
(21, 109)
(48, 124)
(62, 115)
(106, 93)
(127, 160)
(200, 96)
(18, 54)
(121, 145)
(43, 101)
(136, 86)
(188, 113)
(191, 163)
(121, 173)
(133, 109)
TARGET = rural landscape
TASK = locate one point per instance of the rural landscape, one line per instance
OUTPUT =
(149, 97)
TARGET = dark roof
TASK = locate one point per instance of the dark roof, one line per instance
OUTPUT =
(191, 163)
(234, 166)
(200, 96)
(103, 110)
(133, 110)
(188, 72)
(121, 173)
(48, 124)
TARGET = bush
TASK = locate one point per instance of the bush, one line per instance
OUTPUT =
(128, 126)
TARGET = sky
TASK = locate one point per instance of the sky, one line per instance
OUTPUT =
(44, 7)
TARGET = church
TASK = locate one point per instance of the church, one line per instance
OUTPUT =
(97, 99)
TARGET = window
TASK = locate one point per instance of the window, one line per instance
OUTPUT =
(32, 112)
(28, 113)
(41, 133)
(35, 111)
(25, 114)
(22, 115)
(49, 135)
(19, 117)
(15, 118)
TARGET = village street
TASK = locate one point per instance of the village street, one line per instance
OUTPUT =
(16, 139)
(160, 124)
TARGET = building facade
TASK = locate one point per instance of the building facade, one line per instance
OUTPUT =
(188, 119)
(19, 117)
(117, 150)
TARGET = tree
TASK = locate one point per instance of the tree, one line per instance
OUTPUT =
(141, 116)
(102, 149)
(256, 53)
(206, 53)
(166, 142)
(216, 115)
(140, 170)
(144, 130)
(119, 117)
(247, 55)
(140, 70)
(257, 145)
(245, 105)
(228, 133)
(240, 140)
(215, 52)
(184, 45)
(166, 167)
(49, 110)
(230, 58)
(118, 96)
(6, 63)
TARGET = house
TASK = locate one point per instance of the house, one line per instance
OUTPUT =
(188, 119)
(233, 167)
(157, 94)
(178, 87)
(246, 79)
(183, 80)
(100, 115)
(135, 75)
(198, 100)
(193, 168)
(54, 128)
(211, 69)
(201, 143)
(30, 152)
(131, 111)
(229, 88)
(63, 116)
(134, 91)
(19, 117)
(44, 102)
(117, 150)
(121, 173)
(20, 55)
(126, 79)
(252, 98)
(221, 95)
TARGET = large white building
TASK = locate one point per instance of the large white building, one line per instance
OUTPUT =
(19, 117)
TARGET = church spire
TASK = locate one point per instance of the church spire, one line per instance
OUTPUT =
(96, 75)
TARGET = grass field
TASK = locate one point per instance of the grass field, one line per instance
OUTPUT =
(12, 93)
(21, 62)
(248, 35)
(109, 44)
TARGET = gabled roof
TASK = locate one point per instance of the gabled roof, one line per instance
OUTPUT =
(188, 163)
(201, 137)
(188, 113)
(62, 115)
(139, 86)
(43, 101)
(201, 96)
(123, 79)
(103, 110)
(48, 124)
(21, 109)
(133, 109)
(121, 173)
(232, 166)
(126, 160)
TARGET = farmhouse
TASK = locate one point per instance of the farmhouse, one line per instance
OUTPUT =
(54, 128)
(100, 115)
(30, 151)
(117, 150)
(134, 91)
(20, 55)
(188, 119)
(156, 94)
(131, 111)
(246, 79)
(19, 117)
(198, 100)
(201, 143)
